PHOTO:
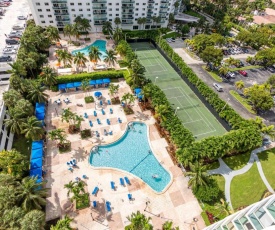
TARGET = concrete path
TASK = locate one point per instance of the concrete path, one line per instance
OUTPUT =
(229, 174)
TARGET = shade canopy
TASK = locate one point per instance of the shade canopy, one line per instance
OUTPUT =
(62, 86)
(36, 163)
(77, 84)
(92, 82)
(40, 110)
(36, 172)
(40, 116)
(137, 90)
(106, 80)
(98, 94)
(36, 153)
(99, 81)
(70, 85)
(37, 144)
(40, 105)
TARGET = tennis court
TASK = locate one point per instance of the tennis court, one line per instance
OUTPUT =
(189, 108)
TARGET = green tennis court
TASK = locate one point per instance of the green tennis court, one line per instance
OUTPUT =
(189, 108)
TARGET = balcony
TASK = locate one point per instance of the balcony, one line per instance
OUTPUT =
(163, 11)
(98, 18)
(60, 7)
(99, 7)
(126, 18)
(59, 1)
(129, 6)
(65, 19)
(151, 1)
(99, 1)
(164, 7)
(164, 1)
(99, 13)
(128, 1)
(127, 13)
(150, 7)
(98, 23)
(61, 13)
(162, 21)
(126, 22)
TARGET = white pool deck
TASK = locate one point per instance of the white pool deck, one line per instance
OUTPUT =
(177, 203)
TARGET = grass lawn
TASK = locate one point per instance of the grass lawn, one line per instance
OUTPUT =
(267, 159)
(83, 202)
(243, 101)
(21, 144)
(247, 188)
(247, 67)
(238, 161)
(191, 54)
(213, 165)
(171, 35)
(193, 13)
(215, 76)
(220, 180)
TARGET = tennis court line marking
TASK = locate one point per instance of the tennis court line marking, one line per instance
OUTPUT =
(190, 118)
(192, 121)
(201, 115)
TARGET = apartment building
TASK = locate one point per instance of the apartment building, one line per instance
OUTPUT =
(260, 215)
(61, 12)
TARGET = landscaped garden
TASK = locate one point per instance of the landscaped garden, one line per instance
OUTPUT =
(238, 161)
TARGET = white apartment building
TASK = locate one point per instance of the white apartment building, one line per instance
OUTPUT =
(61, 12)
(260, 215)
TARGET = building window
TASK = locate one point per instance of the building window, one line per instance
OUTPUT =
(41, 16)
(81, 15)
(89, 15)
(136, 9)
(143, 9)
(51, 21)
(147, 27)
(156, 8)
(144, 4)
(46, 3)
(110, 20)
(87, 3)
(80, 4)
(117, 15)
(135, 27)
(73, 9)
(37, 3)
(117, 9)
(88, 9)
(48, 10)
(72, 4)
(110, 9)
(39, 10)
(80, 9)
(143, 14)
(110, 15)
(156, 4)
(117, 4)
(109, 4)
(136, 14)
(50, 16)
(42, 21)
(74, 15)
(137, 4)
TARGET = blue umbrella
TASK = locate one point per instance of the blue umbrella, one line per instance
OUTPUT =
(36, 163)
(106, 80)
(61, 86)
(37, 144)
(92, 82)
(99, 81)
(77, 84)
(98, 94)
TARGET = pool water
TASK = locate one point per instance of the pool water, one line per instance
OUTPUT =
(101, 44)
(132, 153)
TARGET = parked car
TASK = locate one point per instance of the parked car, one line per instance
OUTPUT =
(9, 51)
(12, 42)
(173, 39)
(231, 74)
(14, 47)
(16, 32)
(14, 36)
(242, 72)
(271, 69)
(218, 87)
(22, 17)
(17, 27)
(5, 58)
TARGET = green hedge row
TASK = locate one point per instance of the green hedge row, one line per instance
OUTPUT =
(93, 76)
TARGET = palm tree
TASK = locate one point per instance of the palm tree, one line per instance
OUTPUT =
(13, 122)
(113, 89)
(107, 27)
(94, 54)
(140, 21)
(121, 48)
(167, 225)
(85, 26)
(239, 85)
(117, 21)
(75, 31)
(52, 33)
(198, 175)
(110, 57)
(79, 59)
(137, 74)
(34, 219)
(63, 224)
(10, 97)
(48, 76)
(17, 68)
(139, 222)
(58, 135)
(70, 186)
(161, 111)
(146, 93)
(64, 56)
(68, 30)
(224, 207)
(32, 129)
(32, 194)
(36, 93)
(85, 85)
(128, 98)
(223, 70)
(118, 35)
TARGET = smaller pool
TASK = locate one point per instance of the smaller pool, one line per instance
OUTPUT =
(101, 44)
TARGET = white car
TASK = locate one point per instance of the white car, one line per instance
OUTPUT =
(9, 51)
(22, 18)
(17, 27)
(13, 47)
(16, 32)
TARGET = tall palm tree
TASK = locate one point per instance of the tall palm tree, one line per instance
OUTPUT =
(107, 27)
(139, 221)
(140, 21)
(10, 97)
(48, 76)
(64, 56)
(75, 31)
(36, 93)
(223, 70)
(13, 122)
(113, 89)
(94, 54)
(63, 224)
(79, 59)
(128, 98)
(239, 85)
(121, 48)
(70, 186)
(117, 21)
(17, 68)
(161, 111)
(85, 86)
(68, 30)
(34, 219)
(32, 129)
(118, 35)
(198, 175)
(137, 74)
(52, 33)
(110, 57)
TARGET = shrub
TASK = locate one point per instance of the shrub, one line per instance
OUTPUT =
(208, 194)
(92, 76)
(83, 201)
(75, 43)
(54, 88)
(89, 99)
(115, 100)
(85, 133)
(65, 147)
(128, 110)
(87, 39)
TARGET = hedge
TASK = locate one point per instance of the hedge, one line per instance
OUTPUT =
(92, 76)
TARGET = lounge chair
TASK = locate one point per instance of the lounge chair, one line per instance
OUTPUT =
(101, 102)
(108, 206)
(109, 102)
(113, 185)
(98, 121)
(95, 114)
(105, 132)
(130, 197)
(111, 133)
(97, 134)
(108, 122)
(111, 111)
(94, 204)
(119, 121)
(95, 191)
(91, 123)
(127, 180)
(103, 112)
(85, 115)
(121, 182)
(84, 177)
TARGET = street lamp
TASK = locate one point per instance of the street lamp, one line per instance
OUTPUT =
(125, 36)
(156, 79)
(147, 202)
(228, 99)
(176, 110)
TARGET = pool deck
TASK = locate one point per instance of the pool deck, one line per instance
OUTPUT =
(177, 203)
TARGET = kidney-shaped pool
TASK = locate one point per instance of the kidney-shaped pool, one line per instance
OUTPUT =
(132, 153)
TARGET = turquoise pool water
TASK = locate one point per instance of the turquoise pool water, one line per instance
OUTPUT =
(132, 153)
(101, 44)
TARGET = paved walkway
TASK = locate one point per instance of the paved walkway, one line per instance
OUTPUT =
(229, 174)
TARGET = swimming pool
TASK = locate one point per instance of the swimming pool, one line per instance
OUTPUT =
(101, 44)
(132, 153)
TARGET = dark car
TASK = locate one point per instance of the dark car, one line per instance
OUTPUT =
(5, 58)
(12, 42)
(241, 64)
(271, 69)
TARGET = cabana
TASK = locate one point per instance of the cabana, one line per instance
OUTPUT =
(40, 116)
(93, 83)
(99, 82)
(70, 85)
(36, 172)
(36, 153)
(36, 163)
(106, 81)
(37, 144)
(138, 93)
(62, 87)
(77, 84)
